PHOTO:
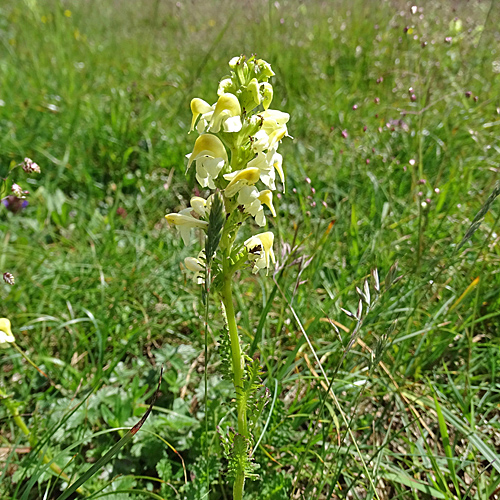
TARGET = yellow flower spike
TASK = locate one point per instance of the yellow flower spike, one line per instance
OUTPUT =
(207, 145)
(267, 92)
(240, 178)
(266, 197)
(227, 113)
(198, 107)
(6, 336)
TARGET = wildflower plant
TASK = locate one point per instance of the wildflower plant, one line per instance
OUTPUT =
(236, 158)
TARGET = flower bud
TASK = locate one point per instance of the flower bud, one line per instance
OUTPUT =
(265, 69)
(253, 88)
(267, 92)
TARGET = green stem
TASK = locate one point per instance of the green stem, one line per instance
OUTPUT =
(238, 363)
(9, 404)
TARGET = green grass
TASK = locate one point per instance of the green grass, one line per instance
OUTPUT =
(100, 99)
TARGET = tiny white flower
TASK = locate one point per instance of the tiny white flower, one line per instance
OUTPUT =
(210, 156)
(6, 336)
(260, 250)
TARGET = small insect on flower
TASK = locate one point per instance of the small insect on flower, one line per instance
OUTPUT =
(260, 250)
(9, 278)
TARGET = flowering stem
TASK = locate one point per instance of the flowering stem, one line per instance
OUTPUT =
(238, 363)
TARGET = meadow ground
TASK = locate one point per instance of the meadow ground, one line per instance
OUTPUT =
(395, 115)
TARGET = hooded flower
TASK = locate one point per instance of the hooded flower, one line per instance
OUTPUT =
(253, 203)
(200, 107)
(260, 249)
(197, 266)
(240, 178)
(227, 114)
(267, 163)
(6, 336)
(210, 156)
(185, 222)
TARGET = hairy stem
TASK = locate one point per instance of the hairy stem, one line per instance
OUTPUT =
(237, 362)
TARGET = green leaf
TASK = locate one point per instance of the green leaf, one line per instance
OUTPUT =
(412, 483)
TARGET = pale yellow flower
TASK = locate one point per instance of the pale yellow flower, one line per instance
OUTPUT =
(267, 163)
(253, 201)
(210, 156)
(197, 266)
(260, 250)
(240, 178)
(185, 222)
(199, 107)
(6, 336)
(227, 114)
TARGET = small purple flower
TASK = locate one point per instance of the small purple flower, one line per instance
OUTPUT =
(344, 134)
(14, 204)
